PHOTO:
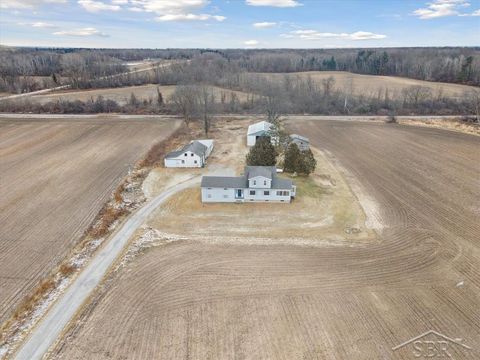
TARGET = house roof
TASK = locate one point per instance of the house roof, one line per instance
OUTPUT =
(195, 147)
(206, 142)
(279, 183)
(224, 182)
(259, 127)
(265, 171)
(241, 182)
(299, 137)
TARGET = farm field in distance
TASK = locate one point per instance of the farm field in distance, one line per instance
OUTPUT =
(184, 297)
(122, 95)
(56, 174)
(360, 84)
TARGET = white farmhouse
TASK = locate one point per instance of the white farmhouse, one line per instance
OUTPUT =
(302, 142)
(260, 129)
(258, 183)
(194, 154)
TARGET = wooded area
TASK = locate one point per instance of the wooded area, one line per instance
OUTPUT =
(23, 70)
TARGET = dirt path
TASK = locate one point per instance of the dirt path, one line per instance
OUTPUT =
(188, 299)
(65, 308)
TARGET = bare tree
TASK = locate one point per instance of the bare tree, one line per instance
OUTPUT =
(185, 100)
(207, 102)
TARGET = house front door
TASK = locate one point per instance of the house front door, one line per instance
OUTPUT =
(239, 194)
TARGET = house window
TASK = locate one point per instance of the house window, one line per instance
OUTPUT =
(195, 161)
(225, 196)
(254, 182)
(185, 154)
(209, 196)
(191, 154)
(264, 182)
(266, 193)
(282, 193)
(225, 189)
(183, 161)
(252, 192)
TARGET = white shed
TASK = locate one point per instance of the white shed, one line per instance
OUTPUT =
(193, 154)
(260, 129)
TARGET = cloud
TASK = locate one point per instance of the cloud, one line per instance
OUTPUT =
(27, 4)
(96, 6)
(189, 17)
(251, 42)
(89, 31)
(39, 24)
(264, 25)
(165, 10)
(316, 35)
(274, 3)
(441, 8)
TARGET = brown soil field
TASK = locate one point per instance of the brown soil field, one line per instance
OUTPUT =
(122, 95)
(373, 85)
(190, 299)
(55, 177)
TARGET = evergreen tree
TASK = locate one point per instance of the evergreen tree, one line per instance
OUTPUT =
(301, 162)
(308, 162)
(292, 158)
(262, 153)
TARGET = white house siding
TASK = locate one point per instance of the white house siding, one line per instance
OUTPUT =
(259, 182)
(187, 159)
(218, 195)
(272, 195)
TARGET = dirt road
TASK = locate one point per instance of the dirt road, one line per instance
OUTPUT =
(55, 175)
(189, 299)
(70, 302)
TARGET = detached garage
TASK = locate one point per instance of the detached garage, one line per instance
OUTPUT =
(194, 154)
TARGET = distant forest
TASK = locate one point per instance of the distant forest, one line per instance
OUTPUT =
(28, 69)
(452, 65)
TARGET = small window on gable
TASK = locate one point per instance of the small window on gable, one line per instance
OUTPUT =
(185, 154)
(191, 154)
(264, 182)
(254, 182)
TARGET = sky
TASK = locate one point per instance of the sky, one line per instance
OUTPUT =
(239, 23)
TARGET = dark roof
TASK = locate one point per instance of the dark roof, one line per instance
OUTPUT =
(224, 182)
(265, 171)
(299, 137)
(195, 147)
(241, 182)
(279, 183)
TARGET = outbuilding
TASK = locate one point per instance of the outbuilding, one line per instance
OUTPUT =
(260, 129)
(302, 142)
(194, 154)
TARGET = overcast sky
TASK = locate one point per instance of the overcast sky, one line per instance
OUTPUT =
(239, 23)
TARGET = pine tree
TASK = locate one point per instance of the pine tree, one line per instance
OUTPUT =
(292, 158)
(262, 153)
(308, 162)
